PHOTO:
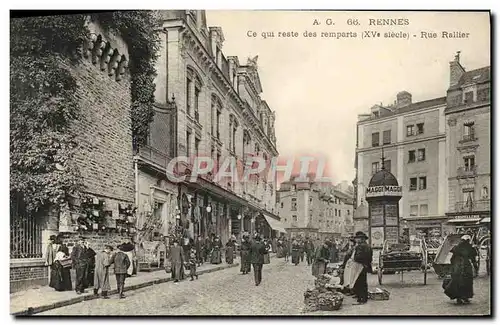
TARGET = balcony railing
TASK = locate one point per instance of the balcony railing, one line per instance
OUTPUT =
(153, 155)
(471, 206)
(464, 172)
(468, 138)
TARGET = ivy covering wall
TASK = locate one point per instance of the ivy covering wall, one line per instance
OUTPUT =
(42, 102)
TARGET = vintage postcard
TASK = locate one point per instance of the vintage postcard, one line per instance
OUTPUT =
(198, 162)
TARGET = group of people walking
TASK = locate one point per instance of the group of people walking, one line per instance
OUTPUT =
(254, 254)
(91, 268)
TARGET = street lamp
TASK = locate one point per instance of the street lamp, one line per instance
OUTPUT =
(209, 208)
(239, 217)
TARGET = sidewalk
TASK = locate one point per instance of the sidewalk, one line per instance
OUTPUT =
(44, 298)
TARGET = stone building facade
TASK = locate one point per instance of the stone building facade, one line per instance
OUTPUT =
(317, 206)
(214, 110)
(104, 157)
(417, 140)
(468, 137)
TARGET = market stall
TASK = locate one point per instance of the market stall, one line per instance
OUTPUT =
(403, 258)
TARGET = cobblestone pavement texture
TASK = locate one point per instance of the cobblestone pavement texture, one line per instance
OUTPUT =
(46, 296)
(281, 292)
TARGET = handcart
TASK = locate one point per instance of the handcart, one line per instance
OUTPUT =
(403, 257)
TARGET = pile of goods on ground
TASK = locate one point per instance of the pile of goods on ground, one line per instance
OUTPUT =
(402, 257)
(378, 294)
(324, 296)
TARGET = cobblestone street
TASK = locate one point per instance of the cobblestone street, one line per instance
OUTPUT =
(228, 292)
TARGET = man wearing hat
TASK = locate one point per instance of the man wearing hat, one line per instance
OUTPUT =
(363, 256)
(101, 273)
(177, 259)
(257, 251)
(122, 263)
(50, 253)
(80, 265)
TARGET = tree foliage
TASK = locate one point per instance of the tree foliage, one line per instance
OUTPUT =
(42, 102)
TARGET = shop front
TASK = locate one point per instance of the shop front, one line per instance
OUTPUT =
(276, 227)
(425, 227)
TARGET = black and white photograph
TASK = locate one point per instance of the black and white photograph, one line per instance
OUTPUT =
(250, 163)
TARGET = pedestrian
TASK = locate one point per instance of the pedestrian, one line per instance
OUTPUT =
(295, 252)
(122, 263)
(362, 256)
(50, 254)
(89, 273)
(321, 257)
(230, 247)
(192, 264)
(245, 254)
(60, 278)
(216, 257)
(257, 252)
(301, 250)
(347, 256)
(309, 248)
(103, 260)
(79, 260)
(267, 257)
(200, 250)
(334, 254)
(286, 249)
(208, 248)
(463, 264)
(177, 260)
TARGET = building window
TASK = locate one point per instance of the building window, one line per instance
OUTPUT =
(282, 205)
(413, 210)
(469, 131)
(421, 154)
(469, 97)
(411, 156)
(294, 204)
(420, 128)
(189, 82)
(374, 169)
(424, 210)
(387, 137)
(196, 104)
(387, 165)
(197, 146)
(335, 212)
(188, 143)
(422, 183)
(294, 218)
(348, 212)
(218, 124)
(375, 139)
(340, 213)
(410, 130)
(469, 163)
(413, 184)
(218, 161)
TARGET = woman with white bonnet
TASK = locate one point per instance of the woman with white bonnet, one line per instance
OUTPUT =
(463, 264)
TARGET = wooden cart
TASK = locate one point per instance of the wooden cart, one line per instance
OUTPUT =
(402, 257)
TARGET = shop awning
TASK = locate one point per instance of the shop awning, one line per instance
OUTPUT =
(464, 220)
(275, 224)
(485, 220)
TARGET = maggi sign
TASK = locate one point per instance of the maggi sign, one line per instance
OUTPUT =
(386, 190)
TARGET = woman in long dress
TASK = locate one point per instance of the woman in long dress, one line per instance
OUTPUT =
(295, 252)
(463, 264)
(230, 252)
(321, 257)
(216, 255)
(60, 278)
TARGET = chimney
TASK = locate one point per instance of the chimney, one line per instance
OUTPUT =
(403, 99)
(456, 70)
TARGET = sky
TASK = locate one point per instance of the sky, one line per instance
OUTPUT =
(318, 86)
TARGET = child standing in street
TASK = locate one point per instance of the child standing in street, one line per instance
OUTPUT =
(192, 263)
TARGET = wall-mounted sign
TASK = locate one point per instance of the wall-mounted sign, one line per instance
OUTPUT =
(377, 236)
(386, 190)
